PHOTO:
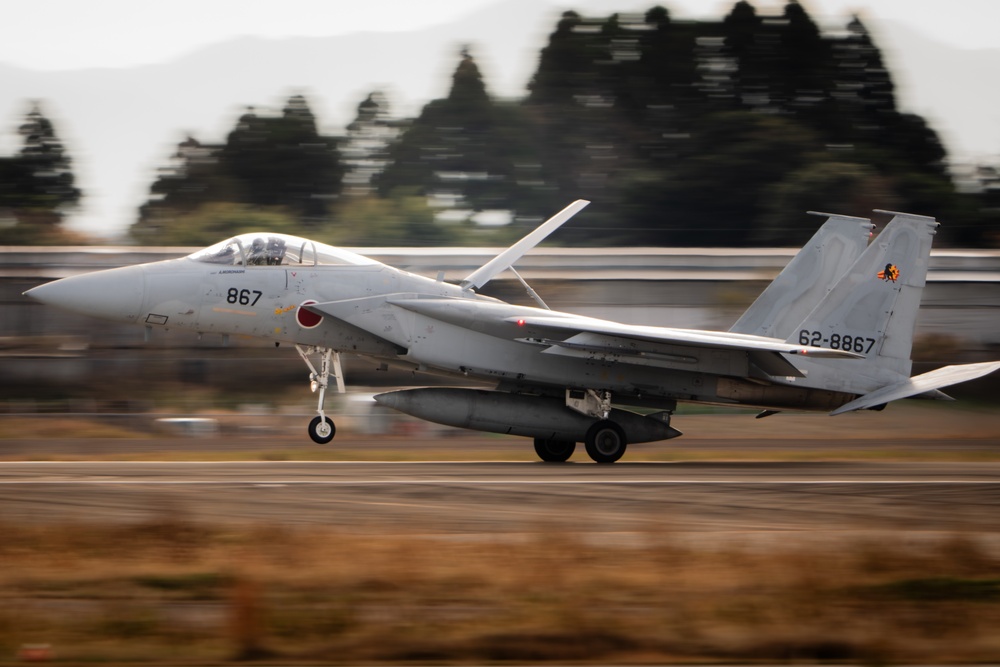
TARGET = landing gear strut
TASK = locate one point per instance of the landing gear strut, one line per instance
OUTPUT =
(605, 440)
(322, 428)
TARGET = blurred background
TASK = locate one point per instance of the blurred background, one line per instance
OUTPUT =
(141, 136)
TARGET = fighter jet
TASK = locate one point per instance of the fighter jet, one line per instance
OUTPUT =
(832, 333)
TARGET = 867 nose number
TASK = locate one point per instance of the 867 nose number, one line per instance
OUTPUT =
(836, 341)
(244, 297)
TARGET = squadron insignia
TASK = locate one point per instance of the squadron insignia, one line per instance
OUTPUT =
(889, 273)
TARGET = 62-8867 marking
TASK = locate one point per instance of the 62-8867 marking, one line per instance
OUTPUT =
(836, 341)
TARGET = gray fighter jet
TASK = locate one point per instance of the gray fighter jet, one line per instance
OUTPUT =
(832, 333)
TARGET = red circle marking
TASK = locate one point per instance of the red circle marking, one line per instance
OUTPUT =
(306, 318)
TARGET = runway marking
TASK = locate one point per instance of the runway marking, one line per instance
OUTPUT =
(485, 482)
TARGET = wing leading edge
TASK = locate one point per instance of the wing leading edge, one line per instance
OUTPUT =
(698, 338)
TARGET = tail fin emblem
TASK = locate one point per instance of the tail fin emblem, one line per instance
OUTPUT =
(890, 272)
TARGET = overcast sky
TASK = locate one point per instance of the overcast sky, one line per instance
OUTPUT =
(73, 34)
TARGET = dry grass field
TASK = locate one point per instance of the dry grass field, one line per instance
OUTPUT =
(171, 591)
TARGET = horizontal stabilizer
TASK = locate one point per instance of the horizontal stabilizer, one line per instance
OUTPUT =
(920, 384)
(508, 257)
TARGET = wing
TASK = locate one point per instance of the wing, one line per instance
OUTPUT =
(574, 335)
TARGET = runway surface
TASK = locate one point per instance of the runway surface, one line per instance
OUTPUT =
(491, 498)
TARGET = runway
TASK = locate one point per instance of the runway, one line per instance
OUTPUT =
(495, 498)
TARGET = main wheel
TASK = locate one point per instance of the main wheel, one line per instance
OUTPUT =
(554, 451)
(322, 430)
(605, 442)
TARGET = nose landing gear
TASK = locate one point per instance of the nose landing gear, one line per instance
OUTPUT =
(322, 428)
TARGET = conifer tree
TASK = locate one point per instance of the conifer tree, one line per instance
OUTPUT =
(463, 149)
(804, 75)
(365, 151)
(750, 49)
(566, 64)
(284, 161)
(37, 186)
(278, 166)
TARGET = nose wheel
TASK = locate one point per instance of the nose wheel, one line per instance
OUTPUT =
(322, 428)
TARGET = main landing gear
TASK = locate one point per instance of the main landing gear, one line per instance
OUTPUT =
(321, 428)
(605, 441)
(554, 451)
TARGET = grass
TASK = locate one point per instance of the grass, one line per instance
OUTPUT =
(174, 591)
(60, 426)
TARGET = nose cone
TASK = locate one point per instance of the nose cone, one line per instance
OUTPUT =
(115, 294)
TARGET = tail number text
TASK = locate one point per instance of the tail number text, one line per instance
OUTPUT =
(837, 341)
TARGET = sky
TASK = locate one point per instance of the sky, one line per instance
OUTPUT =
(70, 34)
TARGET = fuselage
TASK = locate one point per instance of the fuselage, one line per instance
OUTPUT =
(291, 290)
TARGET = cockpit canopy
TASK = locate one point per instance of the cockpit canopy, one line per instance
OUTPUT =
(265, 249)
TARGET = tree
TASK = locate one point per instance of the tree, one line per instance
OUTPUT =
(717, 189)
(666, 71)
(403, 219)
(37, 186)
(192, 179)
(866, 88)
(215, 221)
(821, 185)
(284, 161)
(803, 68)
(365, 153)
(744, 42)
(566, 64)
(681, 132)
(465, 151)
(278, 164)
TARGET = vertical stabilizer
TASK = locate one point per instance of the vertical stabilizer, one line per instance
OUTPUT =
(872, 310)
(806, 279)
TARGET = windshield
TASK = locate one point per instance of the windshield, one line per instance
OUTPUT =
(227, 253)
(264, 249)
